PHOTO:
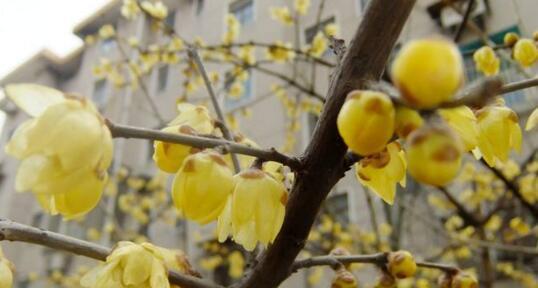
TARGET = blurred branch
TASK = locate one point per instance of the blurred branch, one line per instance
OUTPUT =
(124, 131)
(13, 231)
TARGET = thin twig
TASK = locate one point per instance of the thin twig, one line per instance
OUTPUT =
(223, 127)
(13, 231)
(124, 131)
(463, 23)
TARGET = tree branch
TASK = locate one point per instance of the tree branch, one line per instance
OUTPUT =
(324, 156)
(124, 131)
(13, 231)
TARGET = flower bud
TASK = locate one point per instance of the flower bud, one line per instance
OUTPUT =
(464, 280)
(434, 154)
(407, 120)
(525, 52)
(366, 121)
(486, 61)
(202, 186)
(401, 264)
(510, 39)
(344, 279)
(428, 72)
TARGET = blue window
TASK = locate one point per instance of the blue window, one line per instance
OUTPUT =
(508, 70)
(243, 10)
(200, 6)
(170, 19)
(163, 77)
(245, 98)
(100, 92)
(108, 45)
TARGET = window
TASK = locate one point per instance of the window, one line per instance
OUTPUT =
(311, 32)
(363, 4)
(100, 92)
(108, 45)
(162, 77)
(243, 10)
(230, 104)
(200, 6)
(170, 20)
(508, 70)
(337, 206)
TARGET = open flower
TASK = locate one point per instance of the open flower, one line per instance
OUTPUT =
(463, 121)
(532, 121)
(6, 272)
(202, 186)
(366, 121)
(255, 211)
(191, 120)
(428, 71)
(380, 172)
(499, 132)
(65, 174)
(136, 265)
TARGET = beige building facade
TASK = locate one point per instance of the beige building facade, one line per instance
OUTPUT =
(266, 125)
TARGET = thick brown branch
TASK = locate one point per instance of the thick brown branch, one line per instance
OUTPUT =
(13, 231)
(324, 156)
(123, 131)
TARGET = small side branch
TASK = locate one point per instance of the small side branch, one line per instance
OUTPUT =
(13, 231)
(124, 131)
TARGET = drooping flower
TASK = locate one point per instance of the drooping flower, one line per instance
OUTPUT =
(255, 211)
(366, 121)
(136, 265)
(6, 271)
(202, 186)
(66, 175)
(486, 61)
(434, 154)
(463, 121)
(191, 120)
(380, 172)
(525, 52)
(499, 132)
(428, 72)
(532, 121)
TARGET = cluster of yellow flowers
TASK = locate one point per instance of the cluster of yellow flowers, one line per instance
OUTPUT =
(249, 205)
(428, 73)
(137, 265)
(280, 52)
(130, 9)
(6, 271)
(66, 176)
(282, 15)
(156, 9)
(217, 255)
(232, 31)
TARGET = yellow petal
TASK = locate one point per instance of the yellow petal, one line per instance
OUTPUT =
(32, 98)
(532, 121)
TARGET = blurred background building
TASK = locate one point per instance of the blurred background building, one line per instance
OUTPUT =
(267, 123)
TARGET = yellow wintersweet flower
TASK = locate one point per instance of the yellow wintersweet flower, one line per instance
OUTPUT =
(247, 54)
(236, 90)
(486, 61)
(255, 211)
(428, 72)
(319, 45)
(130, 9)
(6, 271)
(135, 265)
(331, 30)
(464, 280)
(518, 225)
(301, 6)
(233, 29)
(237, 263)
(401, 264)
(66, 175)
(206, 176)
(366, 121)
(380, 172)
(510, 39)
(463, 121)
(532, 121)
(499, 131)
(494, 223)
(344, 279)
(525, 52)
(406, 121)
(107, 31)
(282, 15)
(156, 9)
(280, 52)
(191, 120)
(434, 154)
